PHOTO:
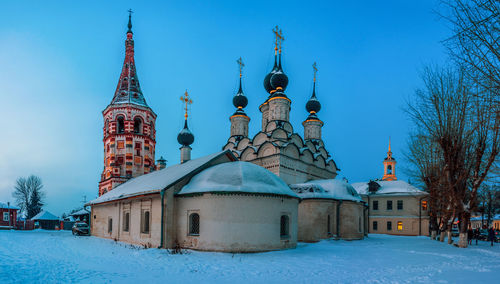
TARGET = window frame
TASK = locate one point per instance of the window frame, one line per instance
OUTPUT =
(284, 227)
(389, 225)
(375, 205)
(126, 221)
(375, 225)
(119, 119)
(145, 221)
(191, 223)
(399, 225)
(424, 205)
(8, 217)
(389, 202)
(399, 202)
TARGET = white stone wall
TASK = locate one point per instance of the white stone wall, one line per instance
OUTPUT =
(279, 109)
(239, 125)
(236, 223)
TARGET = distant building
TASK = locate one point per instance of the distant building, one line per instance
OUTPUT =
(46, 220)
(481, 222)
(8, 216)
(395, 207)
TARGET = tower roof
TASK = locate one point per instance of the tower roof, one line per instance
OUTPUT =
(128, 90)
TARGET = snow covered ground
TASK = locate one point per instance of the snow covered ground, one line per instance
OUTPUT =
(50, 256)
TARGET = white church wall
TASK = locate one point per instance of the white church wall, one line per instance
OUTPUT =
(236, 223)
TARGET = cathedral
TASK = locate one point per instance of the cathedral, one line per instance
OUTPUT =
(258, 194)
(277, 147)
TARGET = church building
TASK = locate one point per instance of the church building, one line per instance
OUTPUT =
(395, 206)
(237, 200)
(277, 147)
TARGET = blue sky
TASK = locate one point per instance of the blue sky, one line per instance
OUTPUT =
(60, 62)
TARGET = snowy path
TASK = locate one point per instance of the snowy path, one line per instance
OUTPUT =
(45, 256)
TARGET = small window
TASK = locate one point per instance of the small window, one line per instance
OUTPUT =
(328, 225)
(400, 204)
(389, 204)
(126, 222)
(389, 226)
(284, 226)
(121, 144)
(389, 170)
(145, 222)
(424, 205)
(359, 224)
(121, 125)
(194, 224)
(6, 216)
(110, 225)
(375, 225)
(137, 125)
(400, 226)
(375, 205)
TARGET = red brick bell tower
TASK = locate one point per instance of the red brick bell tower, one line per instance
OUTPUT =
(129, 127)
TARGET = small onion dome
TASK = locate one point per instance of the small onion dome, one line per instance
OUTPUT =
(313, 105)
(185, 137)
(267, 79)
(240, 100)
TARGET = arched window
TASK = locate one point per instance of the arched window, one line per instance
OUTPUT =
(284, 227)
(126, 222)
(121, 124)
(145, 222)
(389, 170)
(194, 224)
(137, 125)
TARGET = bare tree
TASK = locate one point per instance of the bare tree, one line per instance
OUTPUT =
(475, 43)
(29, 195)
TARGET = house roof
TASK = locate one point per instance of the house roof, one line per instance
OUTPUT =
(237, 177)
(326, 189)
(158, 180)
(80, 212)
(479, 218)
(45, 215)
(389, 187)
(5, 206)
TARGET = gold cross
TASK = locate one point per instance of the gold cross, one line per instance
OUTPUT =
(279, 39)
(240, 63)
(315, 70)
(186, 100)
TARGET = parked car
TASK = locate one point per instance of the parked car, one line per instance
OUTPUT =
(455, 232)
(483, 235)
(80, 228)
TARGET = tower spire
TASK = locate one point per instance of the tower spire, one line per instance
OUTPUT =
(389, 152)
(129, 21)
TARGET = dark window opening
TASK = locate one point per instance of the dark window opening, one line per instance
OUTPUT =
(110, 225)
(328, 225)
(400, 205)
(121, 125)
(194, 224)
(126, 222)
(137, 125)
(389, 226)
(284, 226)
(145, 222)
(375, 205)
(389, 170)
(389, 204)
(375, 225)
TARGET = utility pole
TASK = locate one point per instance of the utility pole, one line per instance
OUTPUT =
(8, 212)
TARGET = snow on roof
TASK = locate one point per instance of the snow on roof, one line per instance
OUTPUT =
(326, 189)
(389, 187)
(45, 215)
(80, 212)
(157, 180)
(243, 177)
(5, 206)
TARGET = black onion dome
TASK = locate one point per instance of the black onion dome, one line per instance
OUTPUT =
(267, 79)
(240, 100)
(185, 137)
(313, 105)
(279, 79)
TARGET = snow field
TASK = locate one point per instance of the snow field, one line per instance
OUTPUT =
(59, 257)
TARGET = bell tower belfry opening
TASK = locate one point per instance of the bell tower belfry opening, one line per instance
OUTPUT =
(389, 166)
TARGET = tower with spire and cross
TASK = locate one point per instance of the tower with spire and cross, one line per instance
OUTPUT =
(129, 135)
(277, 147)
(389, 165)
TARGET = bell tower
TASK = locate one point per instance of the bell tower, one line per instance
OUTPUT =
(129, 127)
(389, 166)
